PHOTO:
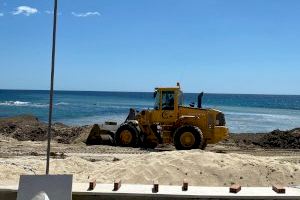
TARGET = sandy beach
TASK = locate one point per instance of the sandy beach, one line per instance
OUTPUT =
(242, 159)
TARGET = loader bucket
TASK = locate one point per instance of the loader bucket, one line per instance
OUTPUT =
(99, 136)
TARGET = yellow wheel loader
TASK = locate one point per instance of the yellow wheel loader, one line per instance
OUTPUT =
(171, 122)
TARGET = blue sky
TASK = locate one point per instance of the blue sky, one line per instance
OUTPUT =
(216, 46)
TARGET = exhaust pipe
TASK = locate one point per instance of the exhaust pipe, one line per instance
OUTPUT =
(200, 100)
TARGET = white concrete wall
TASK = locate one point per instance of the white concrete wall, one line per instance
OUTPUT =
(137, 192)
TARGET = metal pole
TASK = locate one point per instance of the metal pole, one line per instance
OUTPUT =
(51, 85)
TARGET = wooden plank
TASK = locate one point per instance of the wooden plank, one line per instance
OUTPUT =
(117, 184)
(235, 188)
(155, 186)
(185, 185)
(278, 189)
(92, 184)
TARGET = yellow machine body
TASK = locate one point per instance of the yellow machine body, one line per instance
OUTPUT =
(159, 124)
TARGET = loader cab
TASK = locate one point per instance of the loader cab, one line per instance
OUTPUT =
(166, 104)
(167, 98)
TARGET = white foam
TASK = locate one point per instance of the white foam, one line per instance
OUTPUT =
(61, 103)
(22, 103)
(29, 104)
(38, 105)
(14, 103)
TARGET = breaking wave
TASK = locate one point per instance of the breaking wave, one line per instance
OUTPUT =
(61, 103)
(29, 104)
(14, 103)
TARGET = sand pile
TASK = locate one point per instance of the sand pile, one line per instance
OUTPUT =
(27, 127)
(281, 139)
(199, 167)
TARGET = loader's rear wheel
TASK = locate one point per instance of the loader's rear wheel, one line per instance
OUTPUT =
(188, 137)
(126, 136)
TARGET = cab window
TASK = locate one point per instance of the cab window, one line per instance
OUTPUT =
(168, 100)
(156, 101)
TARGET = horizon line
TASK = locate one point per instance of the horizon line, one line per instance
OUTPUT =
(59, 90)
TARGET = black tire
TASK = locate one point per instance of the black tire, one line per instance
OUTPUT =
(196, 133)
(146, 143)
(150, 145)
(134, 136)
(203, 146)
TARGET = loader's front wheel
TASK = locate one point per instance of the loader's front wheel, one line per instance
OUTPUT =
(188, 137)
(126, 136)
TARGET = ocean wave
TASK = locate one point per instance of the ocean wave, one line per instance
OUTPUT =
(38, 105)
(14, 103)
(61, 103)
(29, 104)
(260, 117)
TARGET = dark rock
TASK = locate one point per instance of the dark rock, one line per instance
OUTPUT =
(34, 154)
(275, 139)
(26, 127)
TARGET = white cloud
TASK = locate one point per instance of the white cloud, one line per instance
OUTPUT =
(25, 10)
(1, 14)
(87, 14)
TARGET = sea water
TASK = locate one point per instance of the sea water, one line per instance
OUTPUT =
(243, 112)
